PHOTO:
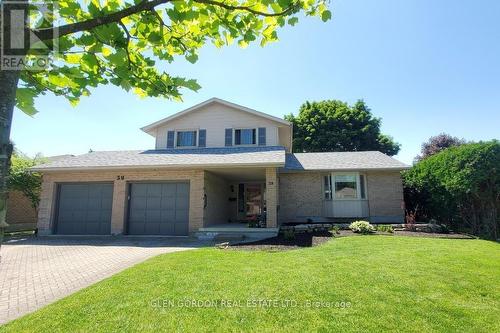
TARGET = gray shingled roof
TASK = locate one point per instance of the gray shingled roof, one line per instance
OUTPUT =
(365, 160)
(231, 156)
(202, 157)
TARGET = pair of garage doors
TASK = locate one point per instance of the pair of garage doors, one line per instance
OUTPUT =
(153, 209)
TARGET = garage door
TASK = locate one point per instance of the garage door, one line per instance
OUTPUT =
(159, 209)
(84, 209)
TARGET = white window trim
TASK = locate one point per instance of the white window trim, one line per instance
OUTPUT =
(197, 130)
(246, 128)
(329, 175)
(358, 186)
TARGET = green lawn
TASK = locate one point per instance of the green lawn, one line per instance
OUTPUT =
(392, 283)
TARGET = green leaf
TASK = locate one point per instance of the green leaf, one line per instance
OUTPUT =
(73, 58)
(106, 51)
(73, 101)
(242, 43)
(154, 37)
(25, 100)
(192, 58)
(249, 36)
(293, 21)
(193, 85)
(119, 58)
(174, 15)
(326, 15)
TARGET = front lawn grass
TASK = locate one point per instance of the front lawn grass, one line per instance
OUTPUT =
(391, 283)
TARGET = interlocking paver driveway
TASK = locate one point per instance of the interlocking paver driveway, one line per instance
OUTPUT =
(38, 271)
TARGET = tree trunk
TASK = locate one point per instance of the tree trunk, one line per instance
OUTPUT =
(8, 86)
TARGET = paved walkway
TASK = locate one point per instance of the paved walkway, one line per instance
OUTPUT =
(37, 271)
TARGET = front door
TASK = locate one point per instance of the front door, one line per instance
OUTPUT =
(251, 201)
(253, 195)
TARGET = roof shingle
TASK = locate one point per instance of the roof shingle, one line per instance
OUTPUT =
(362, 160)
(202, 157)
(225, 157)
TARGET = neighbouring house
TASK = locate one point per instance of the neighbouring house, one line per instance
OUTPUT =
(215, 166)
(21, 214)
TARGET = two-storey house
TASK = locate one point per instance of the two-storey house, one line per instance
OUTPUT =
(215, 166)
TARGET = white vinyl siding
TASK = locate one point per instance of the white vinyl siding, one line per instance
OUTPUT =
(215, 119)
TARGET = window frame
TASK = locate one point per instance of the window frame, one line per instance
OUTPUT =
(176, 146)
(255, 131)
(358, 186)
(327, 179)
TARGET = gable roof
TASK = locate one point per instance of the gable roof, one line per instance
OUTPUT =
(339, 161)
(170, 158)
(196, 107)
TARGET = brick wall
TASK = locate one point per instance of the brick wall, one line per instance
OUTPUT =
(272, 200)
(20, 212)
(385, 194)
(297, 194)
(50, 179)
(300, 195)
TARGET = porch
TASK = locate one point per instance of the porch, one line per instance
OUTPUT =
(240, 202)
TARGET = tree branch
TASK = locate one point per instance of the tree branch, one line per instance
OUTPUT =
(145, 5)
(248, 8)
(128, 43)
(51, 33)
(162, 23)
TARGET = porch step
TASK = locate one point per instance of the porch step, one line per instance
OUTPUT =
(236, 235)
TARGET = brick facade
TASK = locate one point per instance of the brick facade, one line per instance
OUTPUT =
(385, 194)
(272, 200)
(20, 213)
(50, 180)
(300, 195)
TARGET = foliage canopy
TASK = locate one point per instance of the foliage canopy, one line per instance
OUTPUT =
(437, 143)
(122, 42)
(333, 125)
(461, 186)
(21, 179)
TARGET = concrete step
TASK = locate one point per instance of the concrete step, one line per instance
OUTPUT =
(237, 235)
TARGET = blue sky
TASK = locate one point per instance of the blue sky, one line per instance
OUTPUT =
(423, 66)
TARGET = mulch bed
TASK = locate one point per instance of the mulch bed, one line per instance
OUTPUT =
(310, 239)
(279, 243)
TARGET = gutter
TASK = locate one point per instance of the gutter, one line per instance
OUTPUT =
(401, 168)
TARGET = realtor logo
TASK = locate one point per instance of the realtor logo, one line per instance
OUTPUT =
(21, 49)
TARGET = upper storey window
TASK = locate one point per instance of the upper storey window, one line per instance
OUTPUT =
(245, 136)
(186, 139)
